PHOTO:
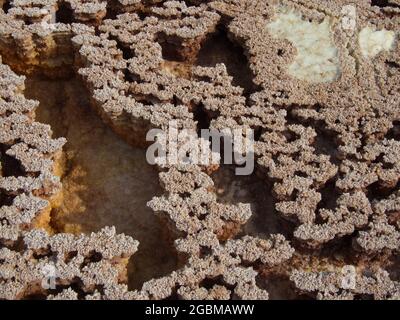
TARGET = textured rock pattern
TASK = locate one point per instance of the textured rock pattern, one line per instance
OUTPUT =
(327, 142)
(330, 285)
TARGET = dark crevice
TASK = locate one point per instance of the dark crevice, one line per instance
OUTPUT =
(172, 48)
(112, 9)
(292, 118)
(258, 132)
(329, 196)
(384, 3)
(209, 283)
(6, 6)
(174, 296)
(147, 100)
(131, 77)
(378, 192)
(233, 189)
(76, 286)
(43, 254)
(35, 296)
(392, 64)
(195, 2)
(394, 268)
(70, 255)
(381, 160)
(10, 167)
(64, 13)
(127, 52)
(324, 143)
(363, 297)
(202, 118)
(336, 253)
(340, 250)
(218, 48)
(6, 199)
(205, 252)
(394, 132)
(92, 257)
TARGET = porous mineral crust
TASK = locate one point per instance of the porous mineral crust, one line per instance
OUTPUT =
(28, 160)
(86, 262)
(29, 187)
(332, 285)
(324, 102)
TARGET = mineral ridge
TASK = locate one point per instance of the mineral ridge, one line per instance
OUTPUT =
(319, 85)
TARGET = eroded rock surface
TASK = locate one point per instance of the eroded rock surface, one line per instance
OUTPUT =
(327, 147)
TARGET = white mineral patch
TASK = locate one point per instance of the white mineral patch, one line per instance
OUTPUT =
(373, 42)
(317, 57)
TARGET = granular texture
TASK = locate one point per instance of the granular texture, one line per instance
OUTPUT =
(320, 87)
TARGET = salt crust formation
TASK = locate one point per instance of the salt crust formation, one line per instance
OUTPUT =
(317, 59)
(99, 260)
(330, 285)
(372, 42)
(328, 141)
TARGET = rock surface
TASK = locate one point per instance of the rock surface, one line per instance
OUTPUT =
(327, 145)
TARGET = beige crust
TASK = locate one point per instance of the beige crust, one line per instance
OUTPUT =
(327, 146)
